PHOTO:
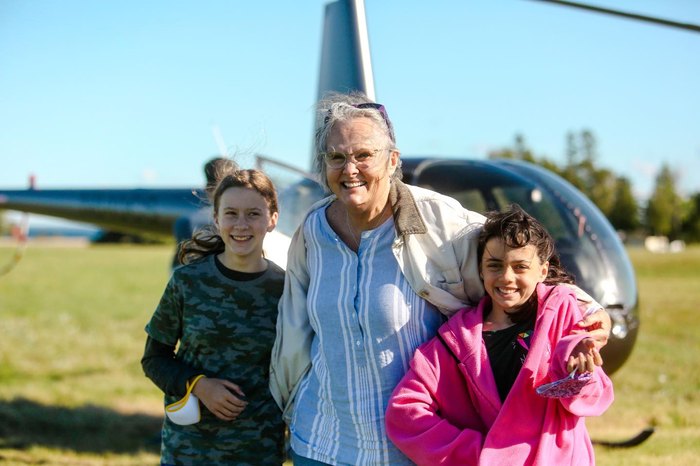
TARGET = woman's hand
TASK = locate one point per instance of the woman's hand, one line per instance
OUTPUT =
(223, 398)
(584, 357)
(597, 325)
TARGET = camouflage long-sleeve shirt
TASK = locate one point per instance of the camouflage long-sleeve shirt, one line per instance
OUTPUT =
(225, 329)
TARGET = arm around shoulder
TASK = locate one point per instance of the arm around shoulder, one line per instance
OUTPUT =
(465, 247)
(596, 321)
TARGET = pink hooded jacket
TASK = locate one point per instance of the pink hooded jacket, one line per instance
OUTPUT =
(446, 410)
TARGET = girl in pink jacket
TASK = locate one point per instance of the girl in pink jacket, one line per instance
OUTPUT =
(470, 395)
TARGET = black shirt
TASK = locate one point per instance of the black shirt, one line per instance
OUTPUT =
(507, 350)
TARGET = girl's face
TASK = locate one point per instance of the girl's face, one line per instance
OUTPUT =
(511, 275)
(361, 189)
(243, 219)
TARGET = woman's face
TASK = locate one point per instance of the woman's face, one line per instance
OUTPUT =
(243, 219)
(511, 275)
(361, 189)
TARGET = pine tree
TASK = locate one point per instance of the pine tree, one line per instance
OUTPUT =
(624, 214)
(663, 213)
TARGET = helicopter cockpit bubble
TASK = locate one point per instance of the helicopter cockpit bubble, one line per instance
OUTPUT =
(588, 246)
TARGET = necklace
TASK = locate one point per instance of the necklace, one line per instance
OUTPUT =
(372, 225)
(350, 229)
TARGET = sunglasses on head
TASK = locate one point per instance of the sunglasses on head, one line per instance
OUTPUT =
(375, 106)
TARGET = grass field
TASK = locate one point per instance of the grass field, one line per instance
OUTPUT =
(71, 336)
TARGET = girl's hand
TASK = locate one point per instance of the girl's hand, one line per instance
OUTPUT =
(597, 324)
(585, 357)
(222, 397)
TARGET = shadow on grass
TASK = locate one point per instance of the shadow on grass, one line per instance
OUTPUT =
(88, 429)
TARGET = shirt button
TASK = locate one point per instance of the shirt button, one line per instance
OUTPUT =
(357, 342)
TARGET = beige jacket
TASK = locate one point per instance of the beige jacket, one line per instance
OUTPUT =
(435, 246)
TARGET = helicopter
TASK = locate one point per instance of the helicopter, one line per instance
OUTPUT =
(589, 246)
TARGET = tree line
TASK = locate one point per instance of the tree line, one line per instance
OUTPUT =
(665, 213)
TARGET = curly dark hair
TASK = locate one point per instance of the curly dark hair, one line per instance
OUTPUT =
(517, 229)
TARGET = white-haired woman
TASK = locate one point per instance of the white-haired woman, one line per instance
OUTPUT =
(372, 273)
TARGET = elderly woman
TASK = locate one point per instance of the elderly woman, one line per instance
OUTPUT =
(372, 273)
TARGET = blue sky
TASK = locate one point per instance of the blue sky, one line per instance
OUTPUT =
(127, 93)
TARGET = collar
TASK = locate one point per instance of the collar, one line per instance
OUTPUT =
(407, 219)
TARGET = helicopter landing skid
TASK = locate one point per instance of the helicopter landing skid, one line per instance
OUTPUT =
(632, 442)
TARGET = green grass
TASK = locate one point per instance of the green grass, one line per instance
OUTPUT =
(660, 384)
(71, 336)
(72, 389)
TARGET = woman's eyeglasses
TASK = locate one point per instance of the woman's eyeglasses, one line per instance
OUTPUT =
(363, 159)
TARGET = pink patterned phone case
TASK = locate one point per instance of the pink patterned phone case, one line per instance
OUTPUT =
(568, 386)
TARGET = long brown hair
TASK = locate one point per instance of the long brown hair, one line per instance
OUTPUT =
(207, 240)
(517, 229)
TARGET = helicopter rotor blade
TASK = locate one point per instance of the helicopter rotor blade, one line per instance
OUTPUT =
(624, 14)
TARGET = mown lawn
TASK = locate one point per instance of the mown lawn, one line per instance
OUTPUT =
(660, 384)
(72, 388)
(72, 391)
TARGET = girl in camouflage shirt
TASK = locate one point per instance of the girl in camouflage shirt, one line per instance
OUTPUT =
(221, 307)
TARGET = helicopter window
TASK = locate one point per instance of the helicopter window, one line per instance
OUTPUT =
(296, 192)
(489, 190)
(543, 208)
(471, 198)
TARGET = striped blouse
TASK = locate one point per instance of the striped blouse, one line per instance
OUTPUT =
(367, 322)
